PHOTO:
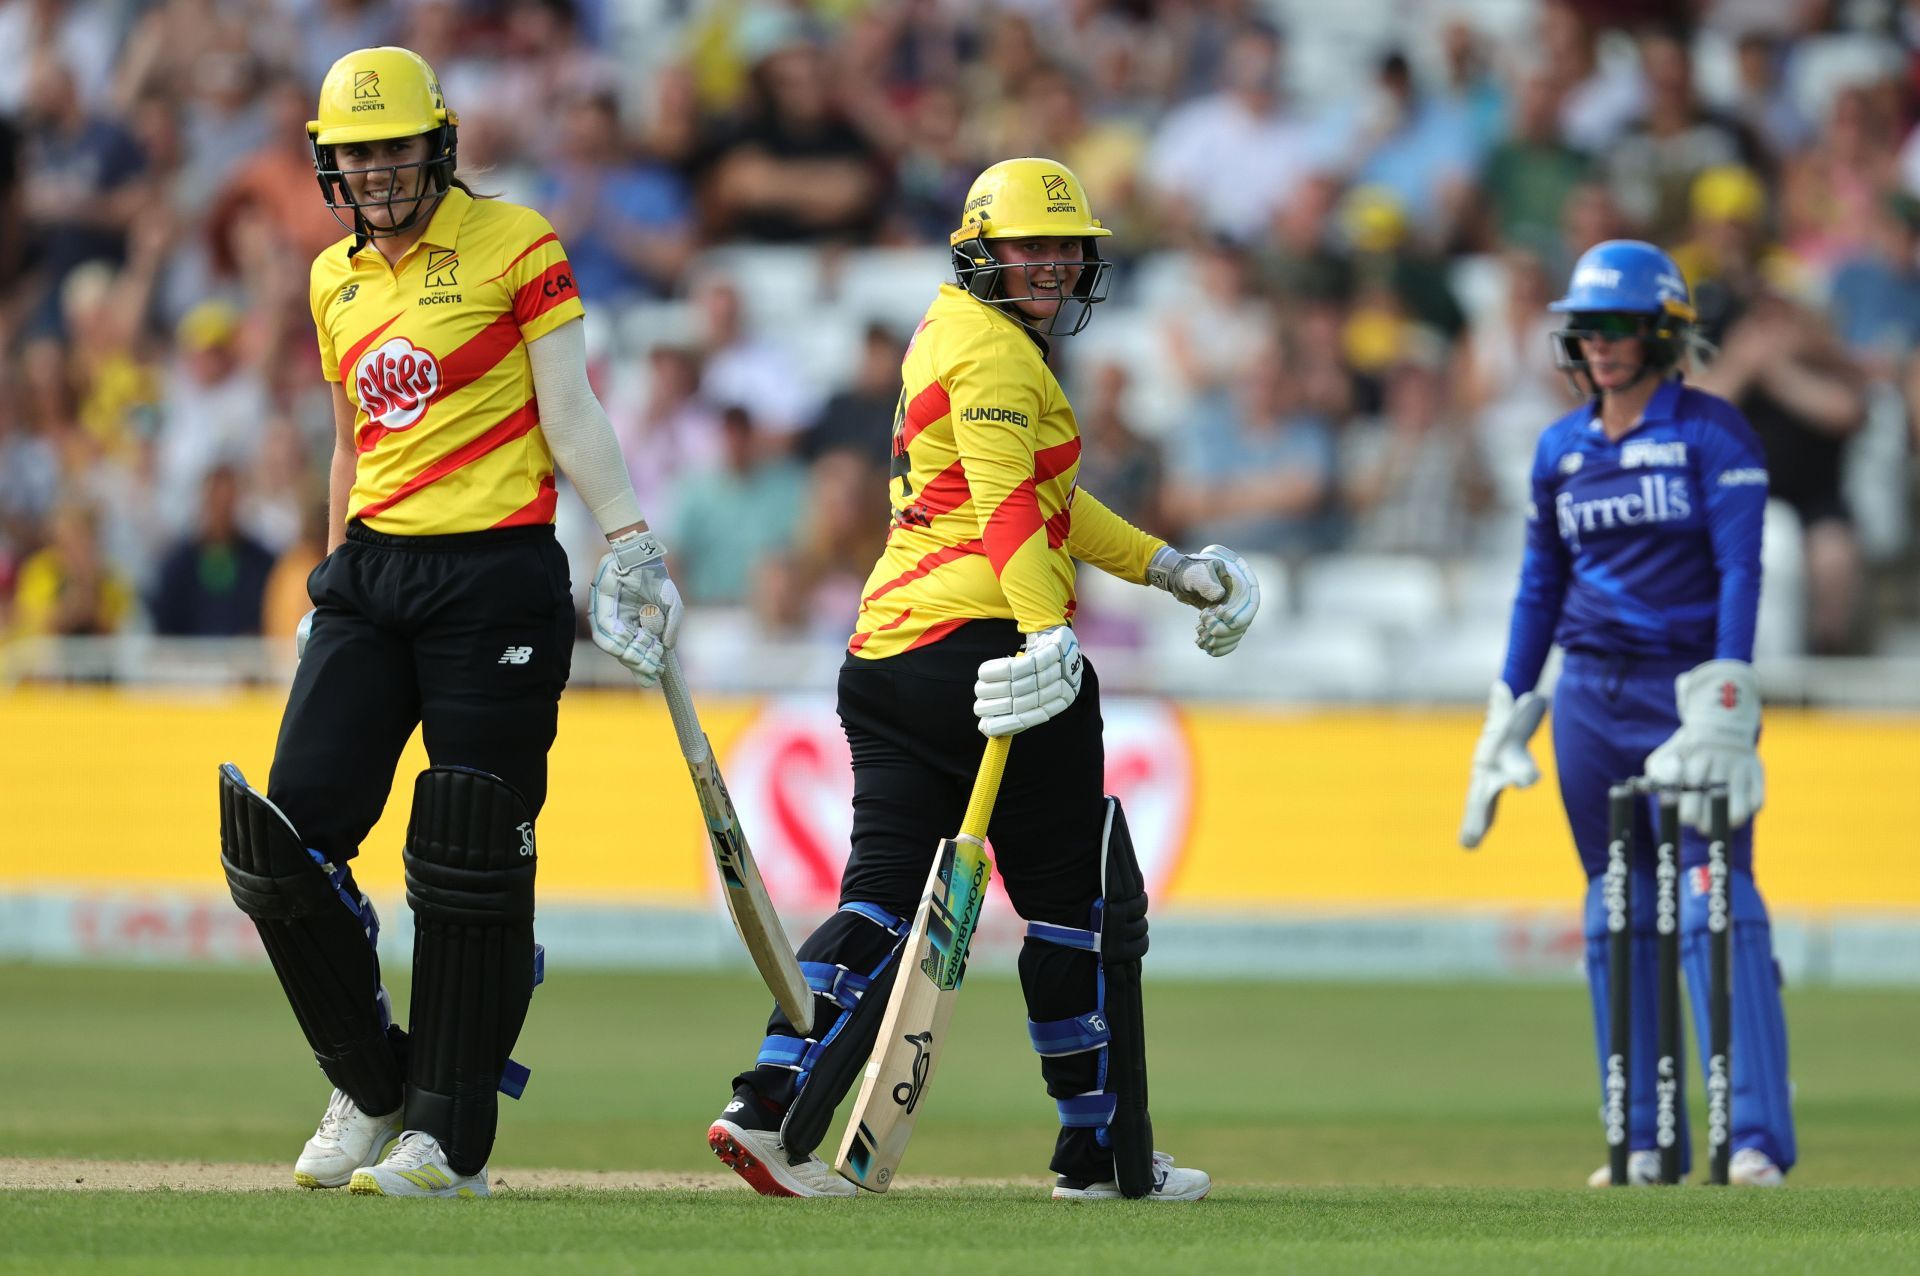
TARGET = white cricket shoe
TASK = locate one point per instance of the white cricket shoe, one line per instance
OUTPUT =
(1170, 1183)
(1643, 1170)
(417, 1167)
(1750, 1167)
(758, 1157)
(347, 1140)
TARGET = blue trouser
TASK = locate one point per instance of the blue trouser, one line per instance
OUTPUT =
(1608, 714)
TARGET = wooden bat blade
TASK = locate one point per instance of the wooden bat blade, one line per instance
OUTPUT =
(914, 1030)
(748, 903)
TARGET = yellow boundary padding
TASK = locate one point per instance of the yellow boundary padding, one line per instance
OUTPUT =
(1340, 810)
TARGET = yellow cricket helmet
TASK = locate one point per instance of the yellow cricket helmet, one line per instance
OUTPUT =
(1030, 198)
(373, 95)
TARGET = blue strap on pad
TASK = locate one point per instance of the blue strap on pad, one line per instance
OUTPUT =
(837, 984)
(1087, 1111)
(1070, 1036)
(1065, 936)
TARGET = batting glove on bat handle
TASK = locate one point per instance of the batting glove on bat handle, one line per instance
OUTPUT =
(1014, 693)
(633, 576)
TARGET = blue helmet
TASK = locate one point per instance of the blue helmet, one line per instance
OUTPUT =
(1626, 277)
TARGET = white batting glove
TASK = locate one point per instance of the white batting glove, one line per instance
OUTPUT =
(1717, 743)
(633, 576)
(1017, 692)
(1223, 624)
(1218, 582)
(1194, 580)
(302, 634)
(1500, 759)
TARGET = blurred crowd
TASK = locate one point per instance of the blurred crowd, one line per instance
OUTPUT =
(1329, 333)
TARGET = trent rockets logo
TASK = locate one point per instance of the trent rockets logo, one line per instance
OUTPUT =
(1059, 194)
(366, 84)
(395, 382)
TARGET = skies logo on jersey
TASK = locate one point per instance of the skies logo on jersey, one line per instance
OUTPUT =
(1655, 499)
(395, 382)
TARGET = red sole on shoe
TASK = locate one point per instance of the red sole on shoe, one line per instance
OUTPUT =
(745, 1163)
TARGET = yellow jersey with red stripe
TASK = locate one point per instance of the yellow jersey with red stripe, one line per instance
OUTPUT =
(433, 353)
(986, 516)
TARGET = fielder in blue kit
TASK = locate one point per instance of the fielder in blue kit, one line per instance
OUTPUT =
(1643, 563)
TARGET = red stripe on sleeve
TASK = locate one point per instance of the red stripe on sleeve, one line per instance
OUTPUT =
(522, 420)
(945, 492)
(860, 640)
(540, 295)
(1059, 527)
(926, 407)
(1049, 461)
(1011, 525)
(352, 356)
(548, 238)
(538, 510)
(927, 564)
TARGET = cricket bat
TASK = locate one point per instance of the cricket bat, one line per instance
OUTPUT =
(747, 900)
(914, 1030)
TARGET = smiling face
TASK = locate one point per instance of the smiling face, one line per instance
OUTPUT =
(1040, 272)
(387, 178)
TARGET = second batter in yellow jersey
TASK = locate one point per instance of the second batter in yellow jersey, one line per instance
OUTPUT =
(433, 354)
(986, 519)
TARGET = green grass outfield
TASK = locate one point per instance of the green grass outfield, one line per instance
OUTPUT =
(1348, 1127)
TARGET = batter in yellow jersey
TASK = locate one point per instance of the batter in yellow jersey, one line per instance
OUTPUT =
(964, 631)
(986, 517)
(450, 328)
(432, 352)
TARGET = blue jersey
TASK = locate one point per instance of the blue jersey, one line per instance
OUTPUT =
(1647, 546)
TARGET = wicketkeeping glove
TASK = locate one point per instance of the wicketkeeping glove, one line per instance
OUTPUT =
(1500, 759)
(1017, 692)
(1218, 582)
(1717, 743)
(633, 575)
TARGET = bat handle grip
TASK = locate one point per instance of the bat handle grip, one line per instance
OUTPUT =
(686, 723)
(986, 787)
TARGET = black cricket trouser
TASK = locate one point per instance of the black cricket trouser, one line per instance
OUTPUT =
(916, 745)
(469, 636)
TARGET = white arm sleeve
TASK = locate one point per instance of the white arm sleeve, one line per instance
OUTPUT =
(577, 428)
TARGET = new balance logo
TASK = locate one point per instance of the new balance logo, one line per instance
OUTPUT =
(516, 655)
